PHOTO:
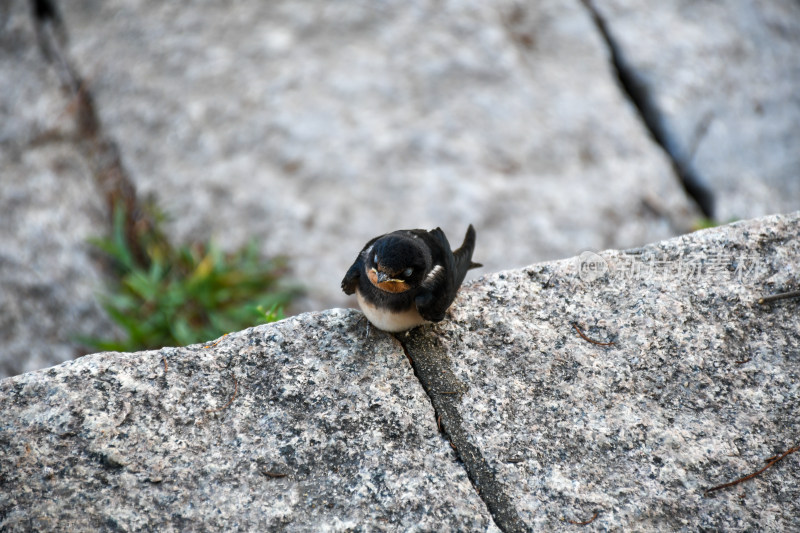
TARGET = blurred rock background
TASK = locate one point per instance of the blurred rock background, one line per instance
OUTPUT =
(554, 127)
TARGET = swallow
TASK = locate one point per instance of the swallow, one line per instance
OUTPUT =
(408, 278)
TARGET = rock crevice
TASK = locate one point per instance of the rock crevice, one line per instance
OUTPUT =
(639, 94)
(433, 369)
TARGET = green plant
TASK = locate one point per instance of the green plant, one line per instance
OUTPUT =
(705, 223)
(165, 296)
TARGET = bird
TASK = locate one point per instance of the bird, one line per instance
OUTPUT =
(408, 278)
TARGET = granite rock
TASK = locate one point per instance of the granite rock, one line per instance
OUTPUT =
(312, 128)
(48, 210)
(696, 385)
(48, 276)
(300, 425)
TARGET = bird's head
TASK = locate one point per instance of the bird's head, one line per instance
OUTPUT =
(397, 264)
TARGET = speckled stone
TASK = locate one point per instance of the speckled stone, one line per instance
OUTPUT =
(699, 387)
(302, 425)
(310, 128)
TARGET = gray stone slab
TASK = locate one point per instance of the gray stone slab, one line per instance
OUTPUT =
(314, 127)
(700, 386)
(725, 78)
(301, 425)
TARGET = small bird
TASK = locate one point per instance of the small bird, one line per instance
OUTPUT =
(407, 278)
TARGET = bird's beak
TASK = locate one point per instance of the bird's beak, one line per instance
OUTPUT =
(382, 276)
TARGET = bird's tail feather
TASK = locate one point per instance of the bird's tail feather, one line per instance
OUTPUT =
(463, 256)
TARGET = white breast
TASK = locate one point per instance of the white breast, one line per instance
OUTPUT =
(387, 320)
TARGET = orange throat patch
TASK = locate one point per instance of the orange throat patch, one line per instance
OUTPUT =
(392, 285)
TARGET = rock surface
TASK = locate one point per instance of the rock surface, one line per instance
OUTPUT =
(322, 126)
(698, 387)
(312, 128)
(298, 426)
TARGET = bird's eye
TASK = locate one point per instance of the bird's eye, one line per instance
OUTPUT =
(375, 259)
(407, 272)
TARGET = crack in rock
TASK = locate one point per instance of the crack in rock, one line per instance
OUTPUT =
(640, 95)
(98, 148)
(432, 367)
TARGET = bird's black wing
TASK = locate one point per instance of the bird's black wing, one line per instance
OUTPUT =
(438, 290)
(450, 268)
(350, 280)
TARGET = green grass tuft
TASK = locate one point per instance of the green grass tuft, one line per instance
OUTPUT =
(163, 295)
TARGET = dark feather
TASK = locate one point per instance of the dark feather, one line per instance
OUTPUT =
(441, 277)
(350, 281)
(434, 298)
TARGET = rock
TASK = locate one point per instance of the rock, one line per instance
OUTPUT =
(301, 425)
(48, 278)
(723, 77)
(314, 128)
(306, 424)
(699, 387)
